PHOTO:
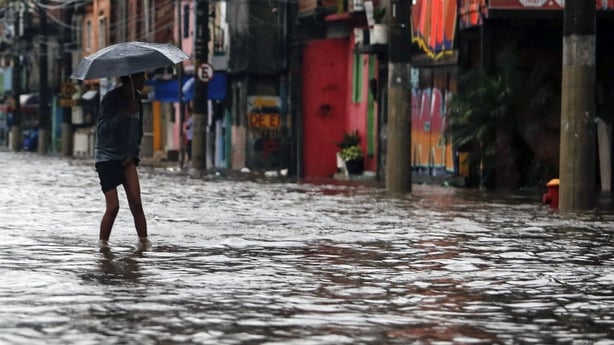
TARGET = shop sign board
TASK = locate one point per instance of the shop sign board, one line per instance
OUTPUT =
(542, 4)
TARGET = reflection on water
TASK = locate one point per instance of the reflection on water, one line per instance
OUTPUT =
(118, 269)
(251, 262)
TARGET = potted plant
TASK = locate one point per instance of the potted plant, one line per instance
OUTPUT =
(379, 31)
(350, 155)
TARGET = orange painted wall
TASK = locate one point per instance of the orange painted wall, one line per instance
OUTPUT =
(325, 97)
(95, 12)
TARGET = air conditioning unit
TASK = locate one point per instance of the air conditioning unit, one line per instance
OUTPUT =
(356, 5)
(77, 115)
(83, 143)
(361, 37)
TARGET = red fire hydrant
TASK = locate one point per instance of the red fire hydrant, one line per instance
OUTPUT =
(552, 197)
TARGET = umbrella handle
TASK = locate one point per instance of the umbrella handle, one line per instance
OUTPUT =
(131, 85)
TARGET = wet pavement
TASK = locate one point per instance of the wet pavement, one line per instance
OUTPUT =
(277, 262)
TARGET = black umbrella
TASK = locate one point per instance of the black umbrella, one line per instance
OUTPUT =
(127, 58)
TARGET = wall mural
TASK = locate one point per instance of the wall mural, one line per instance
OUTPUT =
(431, 152)
(472, 13)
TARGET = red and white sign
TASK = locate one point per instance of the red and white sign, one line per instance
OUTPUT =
(524, 4)
(205, 72)
(533, 3)
(542, 4)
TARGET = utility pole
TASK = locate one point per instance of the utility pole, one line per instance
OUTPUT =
(43, 106)
(180, 85)
(67, 67)
(577, 150)
(200, 111)
(16, 77)
(15, 143)
(398, 153)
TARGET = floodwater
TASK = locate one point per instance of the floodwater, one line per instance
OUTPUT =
(273, 262)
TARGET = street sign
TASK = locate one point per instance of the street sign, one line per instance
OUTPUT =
(205, 72)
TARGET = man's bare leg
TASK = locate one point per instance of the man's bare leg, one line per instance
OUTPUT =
(133, 192)
(111, 209)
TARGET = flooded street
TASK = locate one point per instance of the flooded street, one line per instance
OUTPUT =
(257, 262)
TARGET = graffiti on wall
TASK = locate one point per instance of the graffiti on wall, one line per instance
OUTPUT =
(472, 13)
(264, 131)
(431, 152)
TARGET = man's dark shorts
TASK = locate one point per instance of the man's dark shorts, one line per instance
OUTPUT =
(111, 174)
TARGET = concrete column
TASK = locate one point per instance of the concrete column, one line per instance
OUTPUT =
(66, 139)
(15, 138)
(42, 140)
(578, 133)
(200, 111)
(398, 154)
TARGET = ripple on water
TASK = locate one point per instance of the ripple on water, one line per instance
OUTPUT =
(262, 262)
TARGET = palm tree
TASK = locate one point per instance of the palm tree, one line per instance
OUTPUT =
(493, 114)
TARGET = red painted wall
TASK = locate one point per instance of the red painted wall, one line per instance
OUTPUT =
(356, 111)
(356, 118)
(325, 97)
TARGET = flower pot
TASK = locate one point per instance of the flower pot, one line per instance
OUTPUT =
(355, 166)
(340, 162)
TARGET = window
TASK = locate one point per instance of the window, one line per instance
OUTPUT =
(77, 34)
(88, 35)
(150, 18)
(186, 21)
(102, 32)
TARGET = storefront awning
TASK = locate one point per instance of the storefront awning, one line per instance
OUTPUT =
(168, 90)
(30, 99)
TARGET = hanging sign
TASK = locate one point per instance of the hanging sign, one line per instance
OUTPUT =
(543, 4)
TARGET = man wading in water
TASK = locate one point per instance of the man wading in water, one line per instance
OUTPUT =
(119, 132)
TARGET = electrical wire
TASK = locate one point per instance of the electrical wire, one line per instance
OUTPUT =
(138, 20)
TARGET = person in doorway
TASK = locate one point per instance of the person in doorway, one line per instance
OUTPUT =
(119, 131)
(188, 133)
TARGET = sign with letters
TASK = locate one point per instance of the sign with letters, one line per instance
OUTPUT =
(205, 72)
(543, 4)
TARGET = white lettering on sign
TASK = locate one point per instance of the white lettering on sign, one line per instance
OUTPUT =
(533, 3)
